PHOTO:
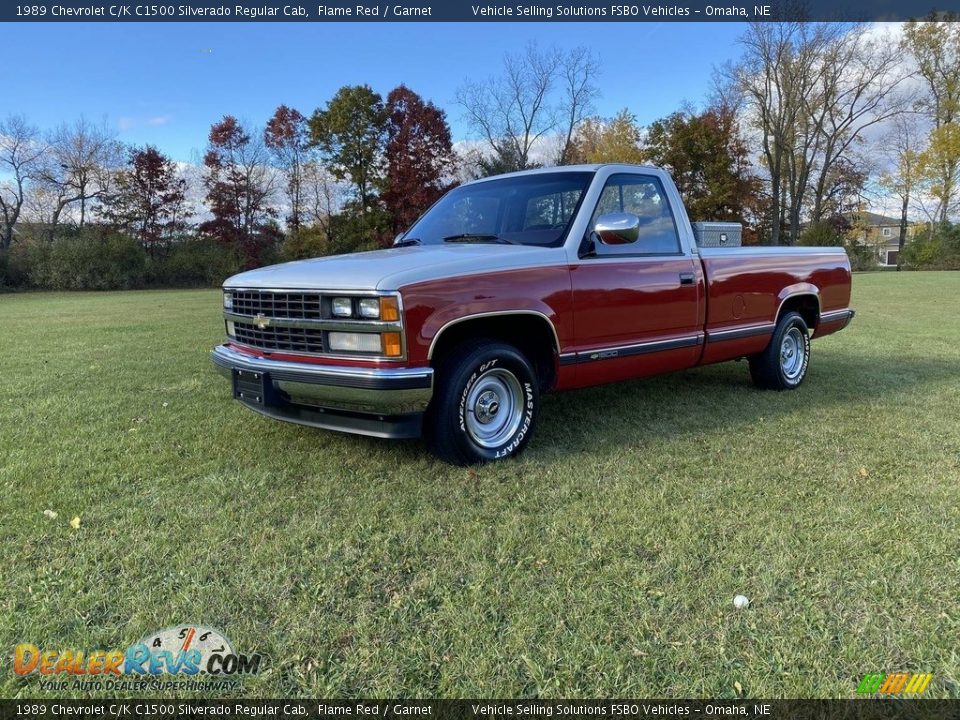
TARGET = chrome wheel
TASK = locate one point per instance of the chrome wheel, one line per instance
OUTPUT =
(494, 408)
(792, 353)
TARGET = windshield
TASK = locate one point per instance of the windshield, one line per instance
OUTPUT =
(532, 209)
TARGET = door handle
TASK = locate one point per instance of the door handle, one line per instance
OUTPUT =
(686, 278)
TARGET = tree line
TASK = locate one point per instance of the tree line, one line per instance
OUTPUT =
(811, 122)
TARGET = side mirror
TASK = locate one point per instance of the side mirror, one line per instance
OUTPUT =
(617, 228)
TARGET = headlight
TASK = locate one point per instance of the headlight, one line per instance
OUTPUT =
(342, 307)
(231, 328)
(355, 342)
(370, 308)
(228, 301)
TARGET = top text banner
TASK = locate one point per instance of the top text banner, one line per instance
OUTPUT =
(473, 11)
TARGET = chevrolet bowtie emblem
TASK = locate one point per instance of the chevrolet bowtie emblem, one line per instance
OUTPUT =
(261, 321)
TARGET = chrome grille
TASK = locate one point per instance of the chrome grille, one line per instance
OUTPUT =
(277, 304)
(279, 339)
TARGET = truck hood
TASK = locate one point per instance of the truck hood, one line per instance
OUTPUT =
(394, 268)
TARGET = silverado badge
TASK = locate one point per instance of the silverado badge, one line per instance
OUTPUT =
(261, 321)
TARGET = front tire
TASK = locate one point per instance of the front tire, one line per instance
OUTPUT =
(485, 406)
(783, 364)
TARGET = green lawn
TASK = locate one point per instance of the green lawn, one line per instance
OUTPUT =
(601, 563)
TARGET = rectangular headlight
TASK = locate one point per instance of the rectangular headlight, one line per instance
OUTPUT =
(341, 307)
(370, 308)
(355, 342)
(228, 301)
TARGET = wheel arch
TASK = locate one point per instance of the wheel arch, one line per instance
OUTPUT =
(530, 331)
(803, 298)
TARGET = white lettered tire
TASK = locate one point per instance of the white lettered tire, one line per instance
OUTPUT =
(485, 405)
(783, 364)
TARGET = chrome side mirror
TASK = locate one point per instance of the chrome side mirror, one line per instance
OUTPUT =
(617, 228)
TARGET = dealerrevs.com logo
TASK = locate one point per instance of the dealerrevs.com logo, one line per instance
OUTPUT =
(898, 683)
(183, 651)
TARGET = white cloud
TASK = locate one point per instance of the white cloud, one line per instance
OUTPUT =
(126, 122)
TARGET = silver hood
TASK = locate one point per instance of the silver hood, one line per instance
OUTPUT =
(394, 268)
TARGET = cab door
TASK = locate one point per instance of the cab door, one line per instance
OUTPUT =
(636, 303)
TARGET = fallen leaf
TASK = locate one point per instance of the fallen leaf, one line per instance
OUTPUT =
(50, 514)
(863, 472)
(75, 523)
(738, 687)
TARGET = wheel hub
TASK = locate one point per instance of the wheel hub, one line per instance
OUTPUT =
(792, 350)
(487, 406)
(494, 406)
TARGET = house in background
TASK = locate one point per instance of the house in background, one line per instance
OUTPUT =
(881, 233)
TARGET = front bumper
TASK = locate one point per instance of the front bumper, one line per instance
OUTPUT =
(382, 402)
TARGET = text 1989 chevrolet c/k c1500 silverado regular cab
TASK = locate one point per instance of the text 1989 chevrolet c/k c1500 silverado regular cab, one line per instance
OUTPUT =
(512, 286)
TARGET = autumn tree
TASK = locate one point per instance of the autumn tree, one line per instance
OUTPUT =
(148, 198)
(902, 179)
(20, 153)
(540, 93)
(287, 137)
(239, 184)
(939, 167)
(577, 76)
(710, 163)
(78, 167)
(419, 156)
(934, 45)
(859, 87)
(350, 133)
(616, 140)
(811, 91)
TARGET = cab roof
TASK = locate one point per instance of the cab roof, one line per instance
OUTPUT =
(570, 168)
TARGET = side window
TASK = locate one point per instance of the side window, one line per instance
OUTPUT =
(643, 196)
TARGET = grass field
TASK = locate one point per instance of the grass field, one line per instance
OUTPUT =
(601, 563)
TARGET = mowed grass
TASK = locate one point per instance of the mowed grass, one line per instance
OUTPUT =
(601, 563)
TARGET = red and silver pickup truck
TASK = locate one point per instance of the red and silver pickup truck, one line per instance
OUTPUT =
(510, 287)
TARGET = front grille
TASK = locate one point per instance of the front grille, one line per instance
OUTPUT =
(277, 305)
(279, 338)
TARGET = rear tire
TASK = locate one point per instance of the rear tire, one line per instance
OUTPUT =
(783, 364)
(485, 406)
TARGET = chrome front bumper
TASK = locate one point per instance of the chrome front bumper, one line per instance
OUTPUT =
(383, 402)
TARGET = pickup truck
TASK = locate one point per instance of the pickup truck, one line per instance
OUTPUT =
(510, 287)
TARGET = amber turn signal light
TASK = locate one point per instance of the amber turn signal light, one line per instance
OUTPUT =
(389, 309)
(391, 344)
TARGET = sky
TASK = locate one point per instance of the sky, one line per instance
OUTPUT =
(165, 83)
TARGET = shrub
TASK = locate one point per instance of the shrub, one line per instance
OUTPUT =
(194, 262)
(88, 259)
(939, 251)
(821, 234)
(308, 242)
(834, 234)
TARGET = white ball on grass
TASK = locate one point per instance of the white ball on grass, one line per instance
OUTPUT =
(741, 601)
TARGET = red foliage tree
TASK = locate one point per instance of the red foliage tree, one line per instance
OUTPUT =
(419, 156)
(239, 185)
(148, 199)
(287, 137)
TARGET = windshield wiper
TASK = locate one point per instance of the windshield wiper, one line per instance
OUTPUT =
(476, 237)
(407, 242)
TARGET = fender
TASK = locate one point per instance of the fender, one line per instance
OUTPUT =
(439, 322)
(797, 290)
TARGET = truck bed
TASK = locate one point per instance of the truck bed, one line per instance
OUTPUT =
(746, 287)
